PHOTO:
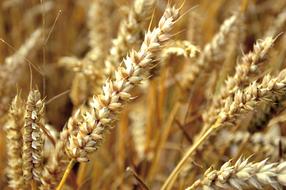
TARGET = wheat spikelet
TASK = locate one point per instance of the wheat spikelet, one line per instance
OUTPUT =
(33, 137)
(17, 58)
(244, 174)
(13, 128)
(269, 144)
(58, 161)
(244, 101)
(267, 92)
(103, 109)
(99, 34)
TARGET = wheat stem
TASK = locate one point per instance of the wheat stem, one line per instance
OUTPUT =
(66, 174)
(172, 177)
(33, 185)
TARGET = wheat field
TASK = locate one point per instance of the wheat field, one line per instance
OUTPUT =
(142, 94)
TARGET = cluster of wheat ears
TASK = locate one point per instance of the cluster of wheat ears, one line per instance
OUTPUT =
(142, 94)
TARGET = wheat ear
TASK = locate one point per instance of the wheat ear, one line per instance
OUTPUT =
(86, 129)
(13, 128)
(99, 34)
(211, 52)
(244, 174)
(102, 111)
(33, 137)
(247, 65)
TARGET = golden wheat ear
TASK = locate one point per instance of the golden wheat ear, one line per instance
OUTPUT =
(248, 65)
(33, 140)
(243, 174)
(13, 128)
(101, 114)
(87, 129)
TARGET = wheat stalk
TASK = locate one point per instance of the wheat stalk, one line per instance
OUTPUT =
(243, 174)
